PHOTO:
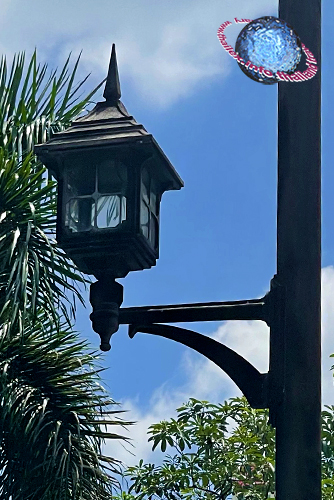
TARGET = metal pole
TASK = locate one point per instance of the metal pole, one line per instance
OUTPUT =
(298, 472)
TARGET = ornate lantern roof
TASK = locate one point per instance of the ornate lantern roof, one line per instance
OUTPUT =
(109, 124)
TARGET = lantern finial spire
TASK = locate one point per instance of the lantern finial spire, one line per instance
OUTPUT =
(112, 91)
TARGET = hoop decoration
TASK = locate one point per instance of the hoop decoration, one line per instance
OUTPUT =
(258, 72)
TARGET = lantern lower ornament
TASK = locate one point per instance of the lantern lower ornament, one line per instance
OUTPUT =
(106, 297)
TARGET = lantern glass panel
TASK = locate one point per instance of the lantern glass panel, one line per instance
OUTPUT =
(81, 181)
(144, 219)
(149, 209)
(154, 231)
(111, 177)
(78, 215)
(96, 197)
(145, 186)
(153, 200)
(110, 211)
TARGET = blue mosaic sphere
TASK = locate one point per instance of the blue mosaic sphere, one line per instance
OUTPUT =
(270, 43)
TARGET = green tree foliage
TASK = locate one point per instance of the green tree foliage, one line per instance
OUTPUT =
(215, 451)
(327, 435)
(54, 417)
(54, 414)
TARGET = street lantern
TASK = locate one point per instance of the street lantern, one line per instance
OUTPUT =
(111, 175)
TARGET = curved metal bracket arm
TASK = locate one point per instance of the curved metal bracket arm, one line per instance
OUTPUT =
(250, 381)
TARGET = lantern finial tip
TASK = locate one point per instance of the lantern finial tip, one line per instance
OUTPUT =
(112, 91)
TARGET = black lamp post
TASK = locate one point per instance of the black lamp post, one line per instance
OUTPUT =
(111, 176)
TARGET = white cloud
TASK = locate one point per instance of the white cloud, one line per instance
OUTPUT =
(206, 381)
(167, 50)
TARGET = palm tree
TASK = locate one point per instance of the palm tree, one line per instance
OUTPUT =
(33, 105)
(54, 414)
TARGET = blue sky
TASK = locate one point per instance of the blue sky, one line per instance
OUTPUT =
(218, 128)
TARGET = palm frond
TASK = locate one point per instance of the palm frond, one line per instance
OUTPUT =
(35, 104)
(52, 414)
(34, 271)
